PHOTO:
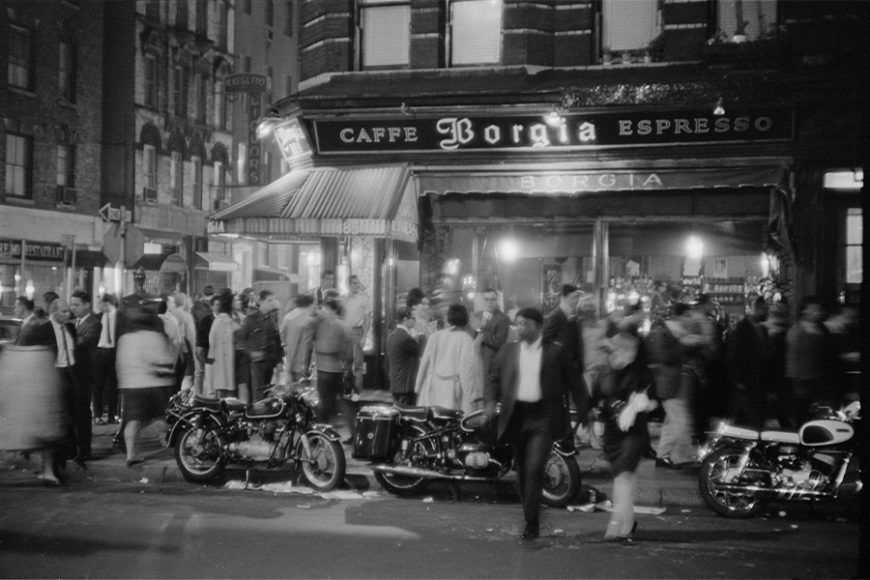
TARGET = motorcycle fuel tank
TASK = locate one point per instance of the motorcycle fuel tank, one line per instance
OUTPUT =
(825, 432)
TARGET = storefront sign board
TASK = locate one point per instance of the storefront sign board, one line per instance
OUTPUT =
(33, 252)
(571, 131)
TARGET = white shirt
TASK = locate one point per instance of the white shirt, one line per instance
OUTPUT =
(529, 390)
(107, 335)
(65, 345)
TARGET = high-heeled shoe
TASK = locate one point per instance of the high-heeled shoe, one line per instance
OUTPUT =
(620, 539)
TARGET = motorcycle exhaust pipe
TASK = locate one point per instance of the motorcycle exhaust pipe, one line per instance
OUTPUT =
(773, 492)
(407, 471)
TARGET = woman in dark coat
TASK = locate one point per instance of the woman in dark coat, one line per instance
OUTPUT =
(623, 392)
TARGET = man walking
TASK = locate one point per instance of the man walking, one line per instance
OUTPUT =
(491, 326)
(531, 380)
(105, 377)
(87, 337)
(296, 331)
(403, 357)
(358, 318)
(259, 333)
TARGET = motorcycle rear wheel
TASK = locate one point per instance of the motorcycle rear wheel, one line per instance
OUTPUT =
(326, 465)
(561, 480)
(720, 467)
(199, 456)
(403, 484)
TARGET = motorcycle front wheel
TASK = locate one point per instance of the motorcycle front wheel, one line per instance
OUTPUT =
(198, 454)
(403, 484)
(324, 464)
(722, 468)
(561, 480)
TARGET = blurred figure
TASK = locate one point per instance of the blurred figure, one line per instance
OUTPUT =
(403, 357)
(490, 327)
(626, 437)
(221, 352)
(202, 318)
(105, 377)
(207, 323)
(173, 332)
(450, 372)
(88, 329)
(33, 416)
(358, 318)
(60, 316)
(177, 306)
(333, 352)
(778, 393)
(259, 332)
(808, 360)
(241, 308)
(146, 369)
(424, 323)
(24, 310)
(327, 283)
(843, 325)
(750, 364)
(297, 330)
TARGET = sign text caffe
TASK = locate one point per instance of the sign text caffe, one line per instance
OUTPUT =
(564, 132)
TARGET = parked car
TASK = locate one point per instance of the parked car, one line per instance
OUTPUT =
(9, 328)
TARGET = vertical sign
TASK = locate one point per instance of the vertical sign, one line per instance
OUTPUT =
(254, 86)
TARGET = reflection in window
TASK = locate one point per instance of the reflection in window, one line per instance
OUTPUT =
(386, 34)
(19, 70)
(19, 161)
(854, 248)
(475, 32)
(753, 18)
(65, 165)
(629, 24)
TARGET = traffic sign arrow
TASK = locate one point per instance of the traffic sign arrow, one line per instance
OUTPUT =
(104, 212)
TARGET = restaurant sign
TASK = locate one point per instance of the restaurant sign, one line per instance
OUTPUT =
(33, 251)
(570, 131)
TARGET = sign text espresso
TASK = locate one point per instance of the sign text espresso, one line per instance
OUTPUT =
(569, 131)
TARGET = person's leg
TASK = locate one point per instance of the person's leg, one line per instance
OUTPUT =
(113, 399)
(199, 369)
(357, 337)
(83, 418)
(622, 517)
(668, 433)
(48, 474)
(100, 378)
(131, 428)
(328, 388)
(537, 448)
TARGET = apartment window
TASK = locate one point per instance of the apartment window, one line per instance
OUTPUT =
(854, 247)
(247, 6)
(270, 13)
(182, 15)
(20, 66)
(222, 18)
(288, 19)
(19, 165)
(475, 32)
(66, 165)
(152, 9)
(66, 71)
(220, 180)
(179, 91)
(150, 81)
(385, 31)
(202, 17)
(149, 166)
(198, 96)
(753, 19)
(246, 64)
(629, 24)
(197, 181)
(220, 105)
(288, 85)
(176, 177)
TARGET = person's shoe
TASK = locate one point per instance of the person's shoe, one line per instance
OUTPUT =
(99, 421)
(619, 539)
(532, 531)
(135, 461)
(80, 460)
(650, 453)
(665, 462)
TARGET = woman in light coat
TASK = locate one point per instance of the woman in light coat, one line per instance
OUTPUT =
(221, 353)
(451, 372)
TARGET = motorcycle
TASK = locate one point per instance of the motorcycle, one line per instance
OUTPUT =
(744, 469)
(278, 430)
(410, 446)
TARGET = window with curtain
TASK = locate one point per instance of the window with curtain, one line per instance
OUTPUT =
(150, 80)
(66, 165)
(385, 34)
(176, 177)
(854, 246)
(149, 166)
(222, 18)
(754, 18)
(220, 104)
(196, 162)
(179, 91)
(19, 68)
(66, 71)
(19, 165)
(629, 24)
(475, 32)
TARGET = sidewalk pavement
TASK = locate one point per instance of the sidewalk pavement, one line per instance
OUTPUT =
(657, 487)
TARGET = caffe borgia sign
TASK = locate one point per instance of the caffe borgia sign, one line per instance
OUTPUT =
(539, 132)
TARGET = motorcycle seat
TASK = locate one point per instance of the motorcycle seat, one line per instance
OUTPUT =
(770, 435)
(414, 413)
(445, 414)
(206, 403)
(234, 404)
(781, 436)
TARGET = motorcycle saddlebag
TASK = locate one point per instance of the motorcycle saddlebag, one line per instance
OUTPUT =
(376, 427)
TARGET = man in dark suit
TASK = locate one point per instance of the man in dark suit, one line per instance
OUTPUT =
(531, 379)
(88, 328)
(403, 357)
(562, 326)
(749, 358)
(491, 326)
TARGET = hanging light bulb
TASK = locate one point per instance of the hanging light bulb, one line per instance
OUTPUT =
(719, 109)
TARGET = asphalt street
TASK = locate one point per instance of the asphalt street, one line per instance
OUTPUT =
(180, 530)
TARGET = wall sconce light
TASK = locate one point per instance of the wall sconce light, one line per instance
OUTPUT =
(719, 109)
(555, 117)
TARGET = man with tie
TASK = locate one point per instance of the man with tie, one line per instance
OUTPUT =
(64, 334)
(87, 336)
(29, 320)
(492, 327)
(105, 379)
(530, 379)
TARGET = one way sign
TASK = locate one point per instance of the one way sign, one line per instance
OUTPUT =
(114, 214)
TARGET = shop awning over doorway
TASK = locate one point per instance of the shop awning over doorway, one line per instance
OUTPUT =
(163, 263)
(215, 262)
(378, 201)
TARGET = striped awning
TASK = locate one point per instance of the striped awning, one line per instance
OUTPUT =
(378, 201)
